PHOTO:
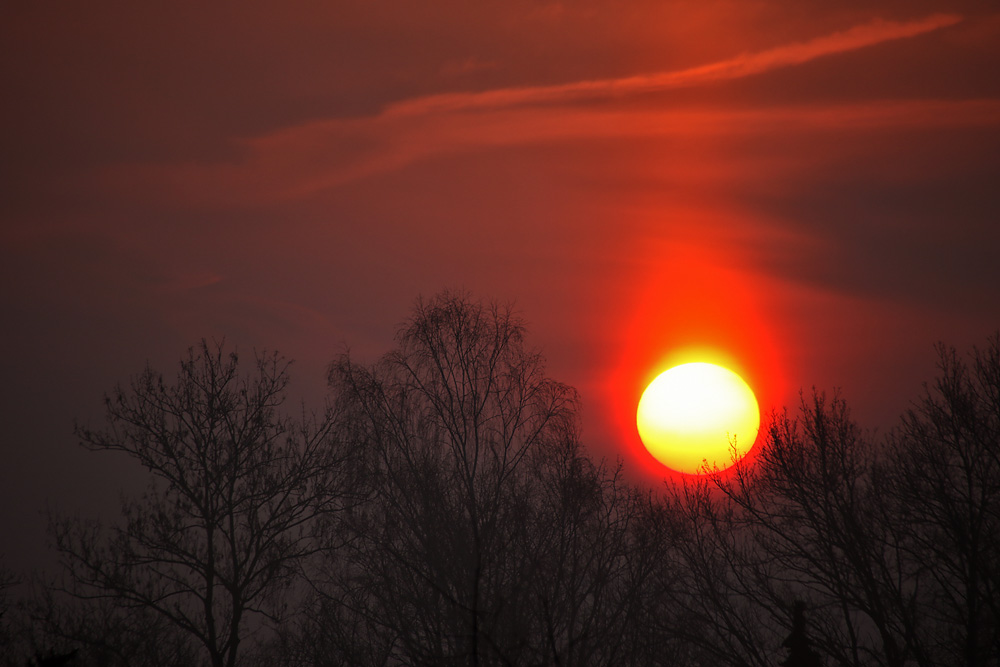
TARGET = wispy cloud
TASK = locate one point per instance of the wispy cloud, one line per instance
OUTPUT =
(296, 161)
(747, 64)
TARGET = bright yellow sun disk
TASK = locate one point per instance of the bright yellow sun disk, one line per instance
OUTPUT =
(694, 413)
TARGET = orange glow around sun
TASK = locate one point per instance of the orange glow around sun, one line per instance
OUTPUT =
(699, 303)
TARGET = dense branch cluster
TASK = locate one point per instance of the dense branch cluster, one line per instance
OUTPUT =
(442, 511)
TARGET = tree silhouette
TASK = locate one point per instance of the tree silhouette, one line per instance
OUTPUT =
(106, 631)
(451, 420)
(7, 581)
(444, 512)
(800, 651)
(892, 541)
(235, 491)
(801, 520)
(55, 659)
(943, 473)
(488, 537)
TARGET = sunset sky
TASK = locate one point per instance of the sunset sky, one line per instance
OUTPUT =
(809, 189)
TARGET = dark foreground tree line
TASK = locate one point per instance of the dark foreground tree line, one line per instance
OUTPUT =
(442, 511)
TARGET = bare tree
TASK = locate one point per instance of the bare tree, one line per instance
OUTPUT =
(808, 519)
(943, 470)
(488, 536)
(893, 543)
(450, 420)
(599, 556)
(449, 417)
(235, 493)
(101, 632)
(7, 605)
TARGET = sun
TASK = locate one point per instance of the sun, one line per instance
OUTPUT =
(694, 414)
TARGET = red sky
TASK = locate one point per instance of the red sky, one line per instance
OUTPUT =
(809, 188)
